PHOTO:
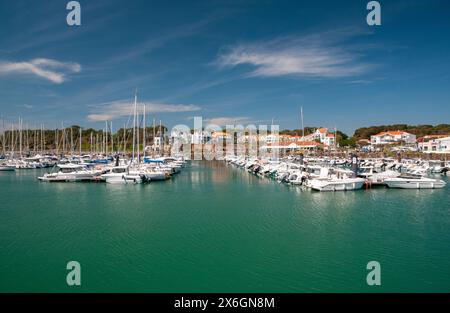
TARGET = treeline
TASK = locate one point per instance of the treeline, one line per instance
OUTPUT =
(418, 130)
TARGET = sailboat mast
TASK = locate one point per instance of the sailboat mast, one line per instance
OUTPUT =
(42, 139)
(12, 140)
(20, 137)
(4, 137)
(137, 137)
(124, 137)
(154, 134)
(143, 135)
(63, 138)
(56, 141)
(106, 137)
(71, 140)
(160, 139)
(112, 138)
(80, 140)
(134, 125)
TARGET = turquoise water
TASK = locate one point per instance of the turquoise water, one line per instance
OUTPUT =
(215, 228)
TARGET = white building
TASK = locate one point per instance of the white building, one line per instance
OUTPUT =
(329, 140)
(321, 134)
(444, 145)
(434, 144)
(390, 137)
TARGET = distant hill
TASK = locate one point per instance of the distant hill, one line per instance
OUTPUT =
(418, 130)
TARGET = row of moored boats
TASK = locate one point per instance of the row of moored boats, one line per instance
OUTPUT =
(333, 174)
(101, 169)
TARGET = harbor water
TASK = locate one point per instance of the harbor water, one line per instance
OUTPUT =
(217, 228)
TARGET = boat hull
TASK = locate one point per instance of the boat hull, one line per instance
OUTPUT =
(66, 178)
(415, 184)
(122, 179)
(336, 185)
(7, 169)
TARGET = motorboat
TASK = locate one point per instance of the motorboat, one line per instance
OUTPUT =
(374, 177)
(122, 175)
(7, 168)
(414, 182)
(340, 180)
(69, 173)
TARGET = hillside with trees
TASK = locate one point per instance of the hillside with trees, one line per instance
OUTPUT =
(418, 130)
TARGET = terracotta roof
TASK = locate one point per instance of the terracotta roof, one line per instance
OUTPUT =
(323, 130)
(430, 137)
(217, 134)
(300, 143)
(393, 133)
(309, 143)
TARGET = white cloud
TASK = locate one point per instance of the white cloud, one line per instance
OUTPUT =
(52, 70)
(116, 109)
(321, 55)
(223, 121)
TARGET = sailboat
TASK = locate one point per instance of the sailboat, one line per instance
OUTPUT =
(127, 174)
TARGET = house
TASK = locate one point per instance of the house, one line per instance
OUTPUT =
(444, 145)
(329, 140)
(434, 144)
(390, 137)
(321, 134)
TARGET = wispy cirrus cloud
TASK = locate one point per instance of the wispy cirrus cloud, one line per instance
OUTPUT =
(112, 110)
(323, 55)
(49, 69)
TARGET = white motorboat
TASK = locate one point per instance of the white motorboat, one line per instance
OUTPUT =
(122, 175)
(7, 168)
(342, 180)
(69, 173)
(154, 174)
(374, 177)
(414, 182)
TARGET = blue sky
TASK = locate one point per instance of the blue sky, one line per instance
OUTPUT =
(227, 61)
